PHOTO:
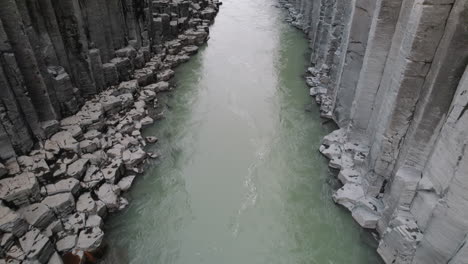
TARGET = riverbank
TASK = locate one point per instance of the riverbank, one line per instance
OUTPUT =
(391, 75)
(55, 199)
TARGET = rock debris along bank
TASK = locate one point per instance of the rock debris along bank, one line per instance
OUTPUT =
(79, 80)
(393, 75)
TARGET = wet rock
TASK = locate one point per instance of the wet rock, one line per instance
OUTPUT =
(19, 190)
(38, 215)
(62, 204)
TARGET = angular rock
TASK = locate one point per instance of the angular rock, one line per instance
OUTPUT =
(107, 194)
(70, 185)
(19, 190)
(125, 183)
(132, 159)
(77, 168)
(37, 215)
(62, 204)
(11, 222)
(65, 141)
(67, 243)
(36, 246)
(90, 239)
(86, 204)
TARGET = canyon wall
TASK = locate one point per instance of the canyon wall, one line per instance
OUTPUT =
(78, 81)
(393, 75)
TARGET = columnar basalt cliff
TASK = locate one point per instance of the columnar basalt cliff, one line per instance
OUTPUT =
(393, 75)
(78, 81)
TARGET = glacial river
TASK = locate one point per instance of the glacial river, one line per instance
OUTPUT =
(240, 179)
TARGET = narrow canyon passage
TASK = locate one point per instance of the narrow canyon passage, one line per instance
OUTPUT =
(240, 179)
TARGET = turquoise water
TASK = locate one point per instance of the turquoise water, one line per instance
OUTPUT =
(240, 179)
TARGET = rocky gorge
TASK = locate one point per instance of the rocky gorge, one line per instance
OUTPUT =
(80, 79)
(393, 75)
(78, 82)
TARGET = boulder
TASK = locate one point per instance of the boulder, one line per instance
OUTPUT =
(146, 121)
(166, 75)
(92, 134)
(75, 130)
(62, 204)
(19, 190)
(11, 222)
(134, 158)
(125, 183)
(107, 193)
(52, 146)
(65, 141)
(67, 243)
(348, 195)
(90, 239)
(88, 146)
(86, 204)
(77, 168)
(70, 185)
(94, 221)
(37, 215)
(110, 104)
(74, 222)
(128, 87)
(36, 246)
(114, 171)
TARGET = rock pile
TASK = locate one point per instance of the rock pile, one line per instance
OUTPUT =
(54, 200)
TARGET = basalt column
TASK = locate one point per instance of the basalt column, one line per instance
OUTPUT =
(395, 88)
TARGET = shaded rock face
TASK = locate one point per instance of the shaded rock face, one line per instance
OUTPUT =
(78, 82)
(393, 75)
